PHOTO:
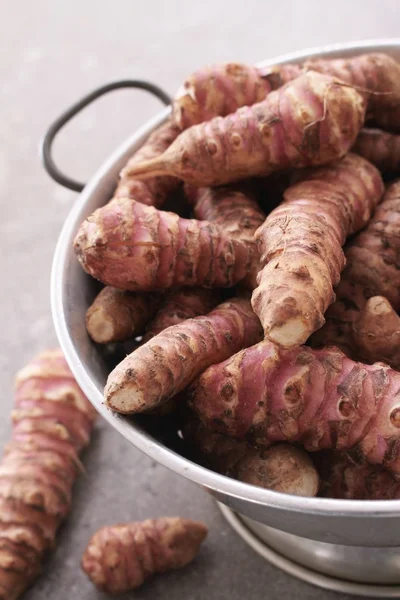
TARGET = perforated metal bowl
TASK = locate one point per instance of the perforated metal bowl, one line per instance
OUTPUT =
(342, 522)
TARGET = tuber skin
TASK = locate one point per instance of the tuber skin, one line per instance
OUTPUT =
(179, 306)
(312, 120)
(371, 270)
(235, 209)
(52, 423)
(376, 332)
(168, 362)
(282, 467)
(218, 91)
(317, 398)
(381, 148)
(139, 248)
(118, 316)
(301, 246)
(122, 557)
(156, 190)
(344, 477)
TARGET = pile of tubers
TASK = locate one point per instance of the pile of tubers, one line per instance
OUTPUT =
(263, 315)
(265, 328)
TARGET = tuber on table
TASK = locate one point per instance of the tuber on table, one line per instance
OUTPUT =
(317, 398)
(235, 209)
(301, 246)
(381, 148)
(52, 422)
(168, 362)
(310, 121)
(122, 557)
(179, 306)
(281, 467)
(139, 248)
(155, 191)
(344, 477)
(118, 316)
(371, 270)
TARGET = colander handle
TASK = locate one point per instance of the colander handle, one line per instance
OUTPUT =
(65, 117)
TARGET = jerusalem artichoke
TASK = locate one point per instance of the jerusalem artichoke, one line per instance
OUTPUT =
(282, 467)
(371, 270)
(118, 316)
(236, 211)
(155, 191)
(310, 121)
(382, 149)
(52, 422)
(376, 332)
(179, 306)
(317, 398)
(342, 476)
(168, 362)
(120, 558)
(135, 247)
(301, 242)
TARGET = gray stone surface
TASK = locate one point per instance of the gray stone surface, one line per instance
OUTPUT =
(50, 54)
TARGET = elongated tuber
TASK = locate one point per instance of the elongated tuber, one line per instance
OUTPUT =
(218, 91)
(344, 477)
(155, 191)
(235, 209)
(301, 245)
(168, 362)
(139, 248)
(52, 422)
(317, 398)
(282, 467)
(179, 306)
(371, 270)
(376, 332)
(310, 121)
(118, 316)
(381, 148)
(121, 557)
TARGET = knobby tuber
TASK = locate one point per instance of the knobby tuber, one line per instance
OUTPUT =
(121, 557)
(317, 398)
(235, 209)
(168, 362)
(379, 147)
(156, 190)
(139, 248)
(118, 316)
(179, 306)
(310, 121)
(371, 270)
(52, 422)
(301, 245)
(282, 467)
(344, 477)
(376, 332)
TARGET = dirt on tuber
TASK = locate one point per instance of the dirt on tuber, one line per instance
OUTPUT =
(118, 316)
(301, 246)
(310, 121)
(52, 423)
(381, 148)
(168, 362)
(120, 558)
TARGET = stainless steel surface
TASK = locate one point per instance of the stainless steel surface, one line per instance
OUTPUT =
(342, 522)
(270, 544)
